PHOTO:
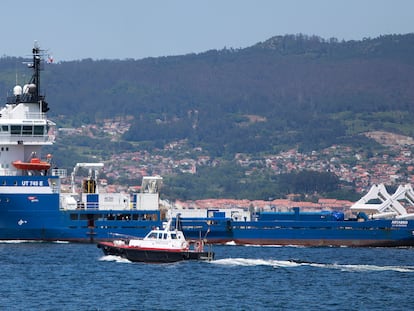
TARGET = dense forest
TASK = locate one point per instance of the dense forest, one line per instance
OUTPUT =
(292, 90)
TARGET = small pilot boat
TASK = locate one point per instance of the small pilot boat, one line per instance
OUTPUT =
(158, 246)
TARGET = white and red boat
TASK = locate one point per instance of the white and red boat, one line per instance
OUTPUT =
(158, 246)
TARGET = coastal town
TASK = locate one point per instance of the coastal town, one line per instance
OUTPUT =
(356, 167)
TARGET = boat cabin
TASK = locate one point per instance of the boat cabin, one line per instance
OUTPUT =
(164, 238)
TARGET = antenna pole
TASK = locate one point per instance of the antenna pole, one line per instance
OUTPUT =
(36, 67)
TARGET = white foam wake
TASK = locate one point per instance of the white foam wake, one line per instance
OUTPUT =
(31, 241)
(299, 263)
(114, 258)
(233, 243)
(255, 262)
(20, 241)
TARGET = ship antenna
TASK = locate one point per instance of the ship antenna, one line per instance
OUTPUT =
(36, 68)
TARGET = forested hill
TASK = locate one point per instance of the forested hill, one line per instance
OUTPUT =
(289, 90)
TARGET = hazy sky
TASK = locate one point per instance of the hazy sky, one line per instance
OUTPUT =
(103, 29)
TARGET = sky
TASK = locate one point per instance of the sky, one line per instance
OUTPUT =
(136, 29)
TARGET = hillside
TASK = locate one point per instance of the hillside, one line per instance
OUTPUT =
(289, 91)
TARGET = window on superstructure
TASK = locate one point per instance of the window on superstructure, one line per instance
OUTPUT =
(27, 130)
(4, 128)
(38, 130)
(15, 129)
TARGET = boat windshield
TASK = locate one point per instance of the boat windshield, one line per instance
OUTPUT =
(152, 235)
(173, 236)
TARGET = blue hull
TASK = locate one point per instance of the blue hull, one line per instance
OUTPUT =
(38, 216)
(384, 233)
(51, 224)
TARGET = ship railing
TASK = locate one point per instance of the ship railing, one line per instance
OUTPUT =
(8, 172)
(27, 115)
(61, 172)
(21, 139)
(35, 115)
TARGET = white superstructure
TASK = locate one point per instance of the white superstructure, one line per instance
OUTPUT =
(24, 127)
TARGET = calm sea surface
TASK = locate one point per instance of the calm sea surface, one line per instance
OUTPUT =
(65, 276)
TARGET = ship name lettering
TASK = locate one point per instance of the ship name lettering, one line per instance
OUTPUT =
(32, 183)
(399, 223)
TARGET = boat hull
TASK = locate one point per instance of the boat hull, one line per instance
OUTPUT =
(136, 254)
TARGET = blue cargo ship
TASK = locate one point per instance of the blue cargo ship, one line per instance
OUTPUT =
(35, 205)
(377, 219)
(323, 228)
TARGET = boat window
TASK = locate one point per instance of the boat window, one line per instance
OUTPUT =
(15, 129)
(38, 130)
(173, 236)
(4, 128)
(160, 235)
(165, 236)
(27, 130)
(152, 235)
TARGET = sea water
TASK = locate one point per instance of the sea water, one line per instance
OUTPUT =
(68, 276)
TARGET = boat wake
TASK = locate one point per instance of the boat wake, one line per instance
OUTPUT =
(231, 243)
(114, 258)
(31, 241)
(273, 245)
(300, 263)
(19, 241)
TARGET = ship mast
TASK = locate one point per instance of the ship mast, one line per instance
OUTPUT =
(36, 68)
(34, 84)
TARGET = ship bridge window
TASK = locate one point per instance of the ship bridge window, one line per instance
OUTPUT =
(4, 128)
(27, 130)
(38, 130)
(15, 129)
